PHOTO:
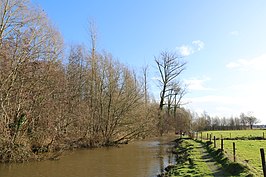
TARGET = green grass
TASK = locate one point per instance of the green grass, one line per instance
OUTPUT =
(192, 161)
(234, 133)
(234, 168)
(189, 163)
(247, 151)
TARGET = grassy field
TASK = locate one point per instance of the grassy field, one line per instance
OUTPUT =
(247, 151)
(234, 134)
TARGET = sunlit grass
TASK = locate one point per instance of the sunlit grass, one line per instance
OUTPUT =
(247, 151)
(233, 133)
(194, 166)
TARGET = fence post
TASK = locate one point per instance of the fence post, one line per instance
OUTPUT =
(214, 138)
(263, 161)
(210, 137)
(207, 136)
(234, 151)
(222, 144)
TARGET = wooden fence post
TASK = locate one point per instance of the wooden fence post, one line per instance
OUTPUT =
(263, 161)
(234, 151)
(214, 138)
(222, 144)
(207, 136)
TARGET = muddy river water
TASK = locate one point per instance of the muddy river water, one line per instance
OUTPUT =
(145, 158)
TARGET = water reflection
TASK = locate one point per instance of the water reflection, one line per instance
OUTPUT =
(138, 159)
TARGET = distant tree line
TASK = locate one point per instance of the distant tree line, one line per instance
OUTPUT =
(90, 100)
(206, 122)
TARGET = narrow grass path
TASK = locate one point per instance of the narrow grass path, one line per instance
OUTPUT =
(213, 166)
(193, 160)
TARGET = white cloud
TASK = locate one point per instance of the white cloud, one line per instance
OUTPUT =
(241, 92)
(215, 99)
(197, 84)
(186, 50)
(224, 109)
(199, 45)
(235, 33)
(257, 64)
(215, 105)
(233, 65)
(243, 97)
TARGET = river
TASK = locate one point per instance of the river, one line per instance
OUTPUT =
(145, 158)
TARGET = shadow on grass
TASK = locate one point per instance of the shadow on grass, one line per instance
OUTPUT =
(233, 168)
(185, 165)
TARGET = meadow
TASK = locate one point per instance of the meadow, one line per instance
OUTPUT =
(247, 149)
(235, 134)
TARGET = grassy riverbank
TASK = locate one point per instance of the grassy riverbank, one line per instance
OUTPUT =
(195, 158)
(189, 160)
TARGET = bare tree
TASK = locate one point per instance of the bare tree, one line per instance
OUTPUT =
(243, 120)
(251, 120)
(170, 67)
(145, 87)
(29, 52)
(47, 106)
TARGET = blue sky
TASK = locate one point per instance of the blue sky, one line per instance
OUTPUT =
(223, 41)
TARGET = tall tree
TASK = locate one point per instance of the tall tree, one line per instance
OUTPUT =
(30, 48)
(251, 120)
(170, 67)
(145, 84)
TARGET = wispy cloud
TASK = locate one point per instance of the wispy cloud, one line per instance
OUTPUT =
(240, 97)
(230, 105)
(198, 45)
(217, 105)
(234, 33)
(197, 84)
(215, 99)
(186, 50)
(257, 64)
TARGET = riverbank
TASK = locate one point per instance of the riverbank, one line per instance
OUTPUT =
(194, 158)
